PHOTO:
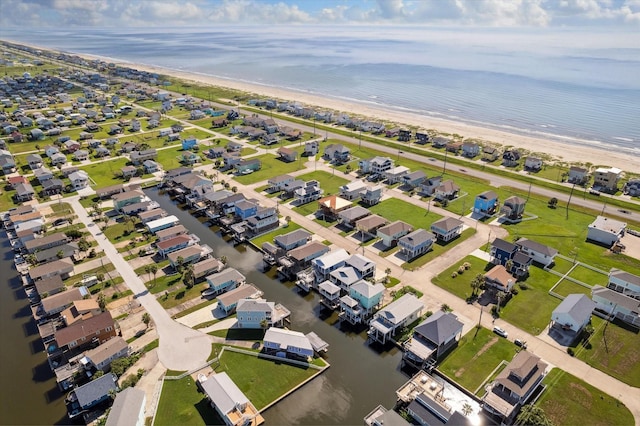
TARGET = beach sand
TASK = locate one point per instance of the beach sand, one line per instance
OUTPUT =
(558, 151)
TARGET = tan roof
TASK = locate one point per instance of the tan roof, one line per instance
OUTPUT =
(127, 195)
(334, 203)
(38, 242)
(83, 328)
(299, 253)
(61, 266)
(26, 216)
(242, 292)
(178, 239)
(185, 252)
(370, 222)
(395, 227)
(61, 299)
(499, 274)
(177, 229)
(522, 373)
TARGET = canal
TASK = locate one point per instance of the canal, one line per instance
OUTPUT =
(359, 379)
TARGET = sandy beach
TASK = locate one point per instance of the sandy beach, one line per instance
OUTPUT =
(561, 152)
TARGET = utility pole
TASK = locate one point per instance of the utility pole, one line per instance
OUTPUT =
(444, 169)
(569, 201)
(529, 193)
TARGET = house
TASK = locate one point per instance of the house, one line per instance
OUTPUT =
(139, 157)
(81, 334)
(219, 122)
(510, 158)
(122, 199)
(606, 231)
(329, 294)
(573, 313)
(453, 147)
(513, 207)
(57, 303)
(352, 190)
(413, 179)
(390, 319)
(371, 195)
(190, 254)
(293, 239)
(265, 219)
(109, 191)
(533, 164)
(56, 253)
(311, 148)
(369, 225)
(470, 149)
(128, 171)
(376, 165)
(287, 154)
(58, 159)
(24, 192)
(362, 300)
(351, 215)
(71, 146)
(606, 179)
(228, 400)
(390, 234)
(336, 153)
(226, 280)
(248, 166)
(578, 175)
(171, 232)
(447, 228)
(258, 313)
(189, 143)
(153, 214)
(486, 203)
(332, 205)
(632, 187)
(432, 338)
(514, 386)
(79, 179)
(440, 141)
(416, 243)
(102, 355)
(447, 190)
(544, 255)
(428, 186)
(207, 267)
(80, 155)
(43, 174)
(277, 184)
(162, 223)
(128, 408)
(395, 174)
(151, 166)
(293, 344)
(616, 304)
(46, 242)
(503, 252)
(34, 161)
(499, 279)
(625, 283)
(329, 262)
(188, 158)
(50, 286)
(50, 150)
(91, 394)
(234, 146)
(380, 416)
(174, 244)
(301, 258)
(228, 301)
(490, 153)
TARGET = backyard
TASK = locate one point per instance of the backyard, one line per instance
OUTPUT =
(181, 403)
(394, 209)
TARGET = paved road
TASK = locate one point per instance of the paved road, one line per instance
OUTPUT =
(181, 348)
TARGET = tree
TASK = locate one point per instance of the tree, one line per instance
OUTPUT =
(153, 268)
(60, 254)
(509, 265)
(264, 324)
(445, 308)
(387, 273)
(476, 284)
(179, 263)
(531, 415)
(188, 277)
(234, 189)
(83, 245)
(97, 374)
(501, 296)
(467, 409)
(102, 301)
(224, 260)
(32, 259)
(146, 319)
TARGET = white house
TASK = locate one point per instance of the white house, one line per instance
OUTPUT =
(291, 343)
(352, 190)
(625, 283)
(606, 231)
(79, 179)
(573, 313)
(393, 317)
(616, 304)
(228, 400)
(540, 253)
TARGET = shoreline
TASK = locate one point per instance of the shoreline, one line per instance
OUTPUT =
(578, 153)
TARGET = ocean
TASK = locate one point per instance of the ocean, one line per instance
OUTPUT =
(569, 85)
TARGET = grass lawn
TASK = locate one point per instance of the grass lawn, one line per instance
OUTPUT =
(438, 249)
(531, 309)
(181, 294)
(103, 173)
(567, 287)
(195, 308)
(261, 380)
(394, 209)
(461, 284)
(169, 158)
(561, 265)
(115, 232)
(271, 166)
(330, 183)
(269, 236)
(163, 283)
(613, 350)
(589, 276)
(6, 200)
(569, 400)
(182, 404)
(476, 356)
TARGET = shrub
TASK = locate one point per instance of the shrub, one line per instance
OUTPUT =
(115, 296)
(570, 351)
(466, 265)
(461, 270)
(514, 291)
(523, 286)
(454, 274)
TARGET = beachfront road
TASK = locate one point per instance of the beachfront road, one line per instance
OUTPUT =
(181, 348)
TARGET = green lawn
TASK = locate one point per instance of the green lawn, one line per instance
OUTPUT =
(181, 294)
(567, 287)
(476, 356)
(164, 283)
(182, 404)
(589, 276)
(261, 380)
(438, 249)
(569, 400)
(103, 174)
(269, 236)
(614, 350)
(115, 232)
(461, 284)
(394, 209)
(329, 182)
(271, 166)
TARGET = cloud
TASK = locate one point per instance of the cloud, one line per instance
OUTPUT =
(193, 13)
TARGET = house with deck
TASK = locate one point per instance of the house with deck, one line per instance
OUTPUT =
(207, 267)
(432, 338)
(395, 174)
(486, 203)
(103, 355)
(336, 153)
(139, 157)
(413, 179)
(510, 158)
(225, 280)
(390, 319)
(447, 228)
(293, 239)
(228, 301)
(287, 155)
(24, 192)
(329, 262)
(416, 243)
(259, 313)
(470, 149)
(174, 244)
(300, 258)
(162, 223)
(376, 165)
(190, 254)
(616, 305)
(85, 333)
(513, 207)
(499, 279)
(369, 225)
(503, 252)
(625, 283)
(332, 205)
(390, 234)
(276, 184)
(352, 190)
(606, 179)
(292, 344)
(361, 301)
(371, 195)
(533, 164)
(89, 395)
(447, 190)
(233, 407)
(428, 186)
(351, 215)
(578, 175)
(122, 199)
(34, 161)
(541, 254)
(79, 179)
(307, 193)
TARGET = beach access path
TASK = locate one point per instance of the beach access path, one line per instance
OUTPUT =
(181, 348)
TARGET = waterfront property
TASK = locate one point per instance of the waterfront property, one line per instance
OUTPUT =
(260, 314)
(228, 400)
(228, 301)
(101, 357)
(128, 408)
(361, 302)
(289, 343)
(390, 319)
(432, 338)
(91, 394)
(226, 280)
(187, 255)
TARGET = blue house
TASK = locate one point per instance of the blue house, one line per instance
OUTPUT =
(368, 295)
(91, 394)
(486, 203)
(189, 143)
(503, 251)
(226, 280)
(245, 209)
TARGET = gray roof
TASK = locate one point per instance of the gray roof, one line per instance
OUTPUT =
(577, 306)
(255, 305)
(329, 287)
(488, 195)
(358, 261)
(354, 213)
(229, 274)
(447, 223)
(501, 244)
(537, 247)
(346, 274)
(397, 311)
(616, 298)
(287, 338)
(439, 327)
(102, 352)
(47, 285)
(625, 276)
(367, 289)
(223, 393)
(417, 237)
(292, 237)
(64, 298)
(55, 267)
(415, 175)
(67, 251)
(126, 408)
(95, 390)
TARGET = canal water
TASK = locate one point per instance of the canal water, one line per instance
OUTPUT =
(359, 378)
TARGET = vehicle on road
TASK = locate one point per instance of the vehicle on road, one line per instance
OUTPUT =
(500, 331)
(594, 192)
(624, 211)
(633, 232)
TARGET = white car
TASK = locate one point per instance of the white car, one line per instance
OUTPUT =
(500, 331)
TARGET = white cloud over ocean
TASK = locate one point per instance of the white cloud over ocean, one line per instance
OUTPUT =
(159, 13)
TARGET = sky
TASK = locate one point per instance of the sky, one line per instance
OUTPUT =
(613, 14)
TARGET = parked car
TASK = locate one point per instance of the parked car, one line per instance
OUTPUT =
(520, 343)
(500, 331)
(633, 232)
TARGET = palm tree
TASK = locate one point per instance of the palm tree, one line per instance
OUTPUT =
(387, 272)
(532, 415)
(179, 263)
(224, 260)
(509, 265)
(476, 284)
(467, 409)
(32, 259)
(501, 295)
(102, 301)
(146, 319)
(60, 254)
(188, 277)
(153, 268)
